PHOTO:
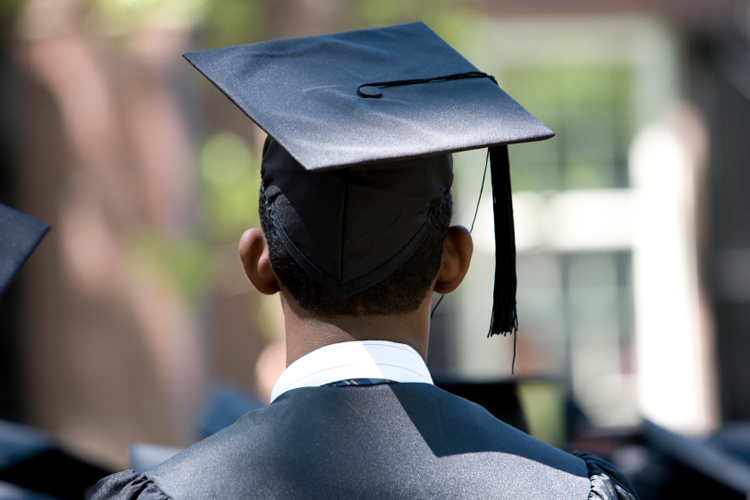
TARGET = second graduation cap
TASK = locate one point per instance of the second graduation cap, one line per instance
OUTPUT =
(360, 129)
(19, 236)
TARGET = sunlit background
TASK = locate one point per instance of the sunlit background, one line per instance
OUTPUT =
(633, 223)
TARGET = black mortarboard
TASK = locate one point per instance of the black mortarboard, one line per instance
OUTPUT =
(33, 466)
(361, 126)
(19, 236)
(702, 459)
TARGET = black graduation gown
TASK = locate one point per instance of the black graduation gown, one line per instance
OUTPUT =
(380, 441)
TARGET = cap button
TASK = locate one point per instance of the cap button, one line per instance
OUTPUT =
(369, 91)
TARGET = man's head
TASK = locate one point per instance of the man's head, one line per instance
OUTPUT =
(346, 101)
(357, 242)
(399, 293)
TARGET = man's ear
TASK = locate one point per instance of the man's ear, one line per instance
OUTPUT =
(257, 262)
(457, 250)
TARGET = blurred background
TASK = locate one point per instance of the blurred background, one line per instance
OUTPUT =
(633, 223)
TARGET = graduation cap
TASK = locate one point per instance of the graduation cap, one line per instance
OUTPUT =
(693, 468)
(19, 236)
(33, 466)
(361, 126)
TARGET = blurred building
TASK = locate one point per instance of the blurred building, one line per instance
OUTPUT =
(605, 216)
(631, 270)
(632, 224)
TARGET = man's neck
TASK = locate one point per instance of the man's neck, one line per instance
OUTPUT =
(307, 332)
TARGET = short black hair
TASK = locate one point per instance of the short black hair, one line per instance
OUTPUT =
(400, 293)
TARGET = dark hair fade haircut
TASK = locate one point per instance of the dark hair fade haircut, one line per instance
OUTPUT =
(401, 292)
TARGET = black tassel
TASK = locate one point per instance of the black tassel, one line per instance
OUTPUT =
(504, 319)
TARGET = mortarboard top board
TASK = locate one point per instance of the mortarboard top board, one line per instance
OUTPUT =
(19, 236)
(371, 99)
(304, 93)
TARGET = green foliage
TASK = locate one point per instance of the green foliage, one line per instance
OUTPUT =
(376, 13)
(8, 12)
(448, 18)
(230, 179)
(117, 18)
(185, 262)
(233, 22)
(589, 107)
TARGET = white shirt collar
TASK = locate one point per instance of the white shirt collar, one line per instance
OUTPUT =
(348, 360)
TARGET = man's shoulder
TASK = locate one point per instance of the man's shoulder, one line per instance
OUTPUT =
(402, 439)
(383, 441)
